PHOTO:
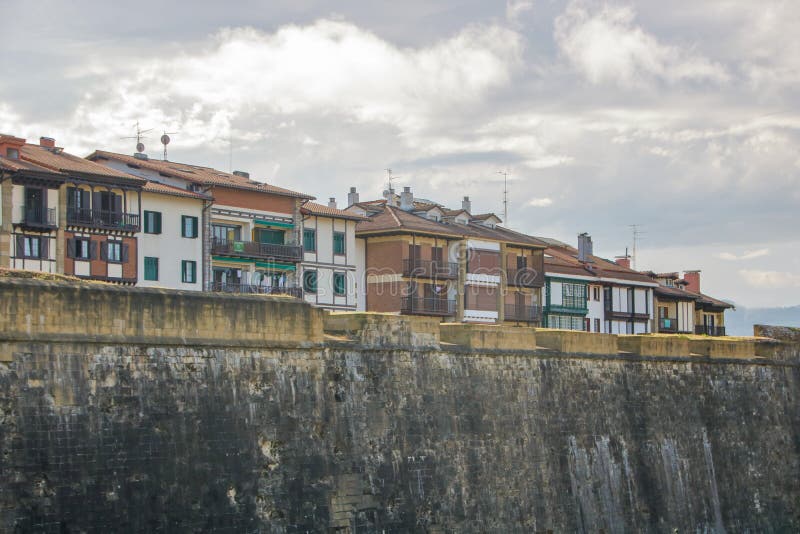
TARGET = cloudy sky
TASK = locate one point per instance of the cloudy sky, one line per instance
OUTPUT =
(682, 116)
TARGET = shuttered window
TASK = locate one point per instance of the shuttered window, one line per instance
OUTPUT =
(114, 252)
(150, 268)
(338, 243)
(33, 247)
(339, 283)
(81, 248)
(310, 281)
(188, 226)
(152, 222)
(188, 272)
(310, 240)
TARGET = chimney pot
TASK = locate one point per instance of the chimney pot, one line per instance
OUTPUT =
(332, 202)
(584, 247)
(406, 199)
(242, 174)
(623, 261)
(352, 197)
(47, 142)
(692, 280)
(466, 205)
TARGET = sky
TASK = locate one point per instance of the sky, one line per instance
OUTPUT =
(681, 117)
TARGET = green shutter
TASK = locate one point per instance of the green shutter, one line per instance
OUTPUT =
(150, 268)
(338, 243)
(339, 283)
(310, 240)
(310, 281)
(188, 271)
(188, 226)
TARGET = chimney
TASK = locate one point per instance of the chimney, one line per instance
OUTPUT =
(388, 195)
(47, 142)
(466, 204)
(332, 202)
(692, 281)
(352, 197)
(242, 174)
(624, 261)
(406, 199)
(584, 247)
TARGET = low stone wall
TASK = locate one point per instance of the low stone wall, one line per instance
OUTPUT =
(491, 337)
(573, 342)
(715, 347)
(385, 329)
(62, 311)
(674, 346)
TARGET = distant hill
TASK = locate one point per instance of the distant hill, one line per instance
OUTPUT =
(741, 321)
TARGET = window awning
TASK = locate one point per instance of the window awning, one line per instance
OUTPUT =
(275, 266)
(274, 224)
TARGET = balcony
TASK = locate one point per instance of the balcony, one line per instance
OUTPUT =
(705, 330)
(38, 217)
(253, 249)
(109, 220)
(523, 314)
(436, 269)
(249, 289)
(428, 306)
(667, 324)
(525, 277)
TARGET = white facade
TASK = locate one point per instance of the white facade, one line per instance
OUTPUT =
(42, 243)
(169, 247)
(329, 265)
(629, 299)
(595, 305)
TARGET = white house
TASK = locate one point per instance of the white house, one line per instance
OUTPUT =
(171, 240)
(330, 259)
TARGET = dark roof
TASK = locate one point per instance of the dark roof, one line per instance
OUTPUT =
(394, 220)
(565, 261)
(197, 174)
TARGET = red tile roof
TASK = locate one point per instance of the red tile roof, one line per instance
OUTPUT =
(198, 174)
(55, 161)
(312, 208)
(163, 189)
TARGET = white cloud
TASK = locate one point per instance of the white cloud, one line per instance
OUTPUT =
(748, 255)
(770, 279)
(607, 47)
(515, 9)
(326, 68)
(540, 202)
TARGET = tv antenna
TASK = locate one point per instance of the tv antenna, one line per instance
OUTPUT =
(637, 235)
(389, 179)
(165, 141)
(505, 197)
(139, 136)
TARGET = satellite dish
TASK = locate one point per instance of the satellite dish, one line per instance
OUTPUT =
(165, 139)
(139, 147)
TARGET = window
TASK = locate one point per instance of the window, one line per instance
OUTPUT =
(188, 272)
(29, 246)
(270, 237)
(114, 252)
(150, 268)
(339, 283)
(310, 281)
(338, 243)
(188, 226)
(12, 153)
(309, 240)
(596, 293)
(223, 232)
(573, 295)
(81, 248)
(152, 222)
(597, 325)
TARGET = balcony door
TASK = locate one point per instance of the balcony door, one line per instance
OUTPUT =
(269, 237)
(35, 205)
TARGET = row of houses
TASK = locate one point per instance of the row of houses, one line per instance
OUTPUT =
(129, 219)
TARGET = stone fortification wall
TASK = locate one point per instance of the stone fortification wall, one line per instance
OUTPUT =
(377, 426)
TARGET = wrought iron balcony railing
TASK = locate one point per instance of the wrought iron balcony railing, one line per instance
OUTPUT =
(36, 216)
(111, 220)
(523, 314)
(430, 269)
(254, 249)
(705, 330)
(428, 306)
(667, 324)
